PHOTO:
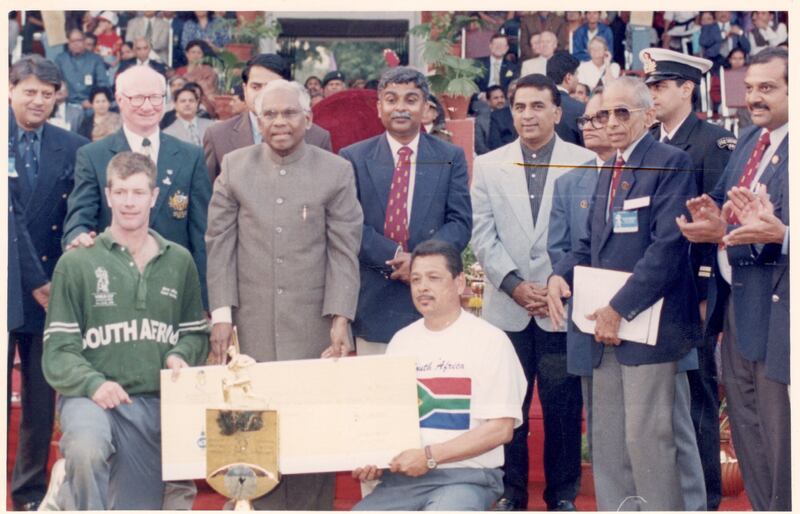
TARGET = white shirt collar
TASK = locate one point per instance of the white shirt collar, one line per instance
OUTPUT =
(254, 127)
(135, 141)
(674, 131)
(142, 63)
(395, 145)
(628, 151)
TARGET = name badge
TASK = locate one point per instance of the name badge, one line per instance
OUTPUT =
(88, 80)
(625, 222)
(636, 203)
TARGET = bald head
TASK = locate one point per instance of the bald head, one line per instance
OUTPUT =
(140, 96)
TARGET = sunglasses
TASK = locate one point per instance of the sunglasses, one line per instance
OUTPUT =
(585, 122)
(622, 114)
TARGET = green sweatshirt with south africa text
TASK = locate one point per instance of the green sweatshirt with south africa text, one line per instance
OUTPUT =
(108, 321)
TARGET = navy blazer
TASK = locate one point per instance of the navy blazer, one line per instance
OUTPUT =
(567, 129)
(656, 254)
(508, 72)
(441, 209)
(756, 275)
(711, 42)
(44, 209)
(501, 128)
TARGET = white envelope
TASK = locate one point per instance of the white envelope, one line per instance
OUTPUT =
(593, 288)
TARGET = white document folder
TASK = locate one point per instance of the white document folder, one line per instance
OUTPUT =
(593, 288)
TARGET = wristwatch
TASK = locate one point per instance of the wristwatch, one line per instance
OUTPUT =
(428, 455)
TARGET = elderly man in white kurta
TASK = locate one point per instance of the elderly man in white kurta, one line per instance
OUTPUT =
(284, 229)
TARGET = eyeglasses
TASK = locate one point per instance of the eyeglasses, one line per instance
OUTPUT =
(138, 100)
(288, 114)
(591, 121)
(623, 114)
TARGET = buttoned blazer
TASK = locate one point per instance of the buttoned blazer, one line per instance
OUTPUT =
(183, 194)
(508, 72)
(656, 254)
(441, 209)
(504, 235)
(756, 274)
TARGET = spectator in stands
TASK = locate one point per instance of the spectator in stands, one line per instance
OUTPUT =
(65, 115)
(103, 121)
(176, 23)
(562, 69)
(198, 71)
(108, 41)
(599, 69)
(91, 42)
(618, 27)
(188, 126)
(238, 105)
(433, 119)
(126, 51)
(497, 70)
(313, 84)
(582, 93)
(357, 83)
(736, 59)
(766, 31)
(588, 31)
(142, 56)
(333, 82)
(496, 99)
(204, 26)
(152, 28)
(81, 69)
(718, 39)
(548, 43)
(574, 20)
(537, 22)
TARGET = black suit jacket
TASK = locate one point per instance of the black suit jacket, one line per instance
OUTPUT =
(571, 110)
(501, 128)
(508, 72)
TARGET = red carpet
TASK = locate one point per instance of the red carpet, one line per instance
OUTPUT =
(348, 491)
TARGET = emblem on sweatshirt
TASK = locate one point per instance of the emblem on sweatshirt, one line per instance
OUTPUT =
(102, 296)
(179, 203)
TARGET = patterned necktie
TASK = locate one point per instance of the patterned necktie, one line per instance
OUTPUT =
(147, 148)
(496, 73)
(395, 226)
(750, 169)
(615, 178)
(148, 32)
(194, 134)
(29, 158)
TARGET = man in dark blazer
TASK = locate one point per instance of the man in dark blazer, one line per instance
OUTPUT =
(184, 189)
(433, 188)
(501, 128)
(629, 230)
(45, 157)
(497, 70)
(242, 130)
(562, 68)
(496, 99)
(141, 48)
(748, 297)
(718, 39)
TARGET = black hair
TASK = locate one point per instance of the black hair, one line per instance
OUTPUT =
(187, 88)
(35, 66)
(205, 47)
(101, 90)
(492, 89)
(560, 65)
(273, 62)
(771, 53)
(404, 75)
(540, 82)
(433, 247)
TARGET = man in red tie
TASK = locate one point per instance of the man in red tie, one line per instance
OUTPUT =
(629, 229)
(412, 187)
(748, 298)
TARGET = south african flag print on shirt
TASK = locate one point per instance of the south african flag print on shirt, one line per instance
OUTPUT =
(444, 402)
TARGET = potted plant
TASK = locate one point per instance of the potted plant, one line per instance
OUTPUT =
(229, 74)
(454, 77)
(246, 34)
(731, 473)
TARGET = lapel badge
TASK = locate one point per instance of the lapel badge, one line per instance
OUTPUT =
(775, 159)
(584, 204)
(169, 172)
(167, 181)
(626, 186)
(179, 203)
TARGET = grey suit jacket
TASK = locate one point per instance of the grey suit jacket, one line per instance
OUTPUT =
(283, 240)
(228, 135)
(159, 41)
(504, 235)
(179, 130)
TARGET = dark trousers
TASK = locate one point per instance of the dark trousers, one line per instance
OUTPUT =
(313, 491)
(29, 480)
(759, 411)
(705, 417)
(544, 359)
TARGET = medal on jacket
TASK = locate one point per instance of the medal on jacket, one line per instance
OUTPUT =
(179, 203)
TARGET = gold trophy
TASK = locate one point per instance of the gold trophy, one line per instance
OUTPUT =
(242, 438)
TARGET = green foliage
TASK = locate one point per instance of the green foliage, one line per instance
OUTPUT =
(468, 257)
(251, 32)
(228, 68)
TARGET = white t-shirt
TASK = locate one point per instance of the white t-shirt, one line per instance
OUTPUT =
(467, 374)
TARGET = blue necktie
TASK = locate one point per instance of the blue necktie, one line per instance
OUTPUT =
(29, 158)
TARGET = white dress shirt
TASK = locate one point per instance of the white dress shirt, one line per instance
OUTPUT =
(135, 142)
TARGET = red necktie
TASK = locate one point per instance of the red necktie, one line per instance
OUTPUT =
(615, 178)
(751, 168)
(395, 227)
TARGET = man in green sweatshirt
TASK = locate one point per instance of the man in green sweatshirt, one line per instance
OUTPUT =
(120, 311)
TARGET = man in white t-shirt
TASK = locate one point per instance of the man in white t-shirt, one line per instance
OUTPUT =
(470, 385)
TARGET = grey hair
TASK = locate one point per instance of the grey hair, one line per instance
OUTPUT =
(281, 84)
(123, 80)
(636, 88)
(404, 75)
(598, 39)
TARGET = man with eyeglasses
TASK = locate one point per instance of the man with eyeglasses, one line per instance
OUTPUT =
(284, 229)
(633, 390)
(673, 78)
(184, 189)
(81, 69)
(511, 212)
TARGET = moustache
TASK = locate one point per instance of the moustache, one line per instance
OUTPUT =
(401, 115)
(758, 105)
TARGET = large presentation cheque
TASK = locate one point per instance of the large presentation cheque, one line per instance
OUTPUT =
(332, 415)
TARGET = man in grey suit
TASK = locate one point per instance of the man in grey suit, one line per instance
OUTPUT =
(242, 130)
(153, 28)
(511, 210)
(284, 230)
(188, 126)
